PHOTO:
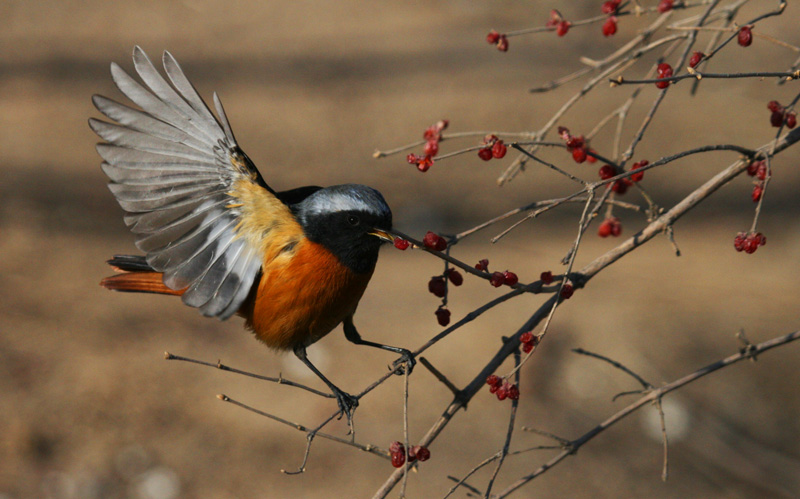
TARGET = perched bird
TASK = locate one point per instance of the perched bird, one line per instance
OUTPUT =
(294, 263)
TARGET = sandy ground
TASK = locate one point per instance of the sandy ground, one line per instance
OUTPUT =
(90, 408)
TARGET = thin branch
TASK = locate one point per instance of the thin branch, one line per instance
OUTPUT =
(649, 398)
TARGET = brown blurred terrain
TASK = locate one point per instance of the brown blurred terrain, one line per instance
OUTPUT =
(90, 408)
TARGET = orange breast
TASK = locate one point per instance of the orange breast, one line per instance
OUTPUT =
(302, 298)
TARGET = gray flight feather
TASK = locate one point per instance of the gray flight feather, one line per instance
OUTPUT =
(170, 169)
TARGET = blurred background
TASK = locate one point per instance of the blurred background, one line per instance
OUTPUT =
(91, 409)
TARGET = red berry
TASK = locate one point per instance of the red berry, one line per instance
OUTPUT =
(493, 380)
(791, 120)
(610, 6)
(563, 132)
(638, 176)
(610, 26)
(753, 167)
(395, 447)
(455, 277)
(567, 291)
(738, 241)
(437, 286)
(745, 37)
(502, 44)
(696, 58)
(774, 105)
(665, 5)
(579, 155)
(494, 388)
(434, 241)
(401, 244)
(443, 316)
(502, 392)
(513, 392)
(590, 158)
(398, 459)
(431, 134)
(483, 265)
(493, 37)
(759, 237)
(497, 279)
(750, 245)
(606, 172)
(510, 278)
(563, 27)
(527, 347)
(423, 454)
(526, 337)
(776, 118)
(758, 190)
(431, 148)
(761, 172)
(485, 153)
(619, 187)
(576, 141)
(499, 149)
(664, 71)
(425, 164)
(413, 159)
(605, 228)
(546, 277)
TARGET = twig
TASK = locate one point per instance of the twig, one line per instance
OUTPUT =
(650, 397)
(222, 367)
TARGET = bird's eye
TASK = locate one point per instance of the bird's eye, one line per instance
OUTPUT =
(353, 220)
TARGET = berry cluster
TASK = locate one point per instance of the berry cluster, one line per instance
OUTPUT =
(497, 279)
(558, 22)
(438, 287)
(621, 185)
(432, 136)
(610, 7)
(416, 452)
(749, 242)
(577, 146)
(503, 389)
(498, 39)
(610, 227)
(664, 70)
(528, 341)
(759, 170)
(665, 5)
(434, 241)
(779, 115)
(492, 148)
(745, 36)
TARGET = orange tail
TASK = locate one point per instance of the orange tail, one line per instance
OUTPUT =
(136, 277)
(139, 282)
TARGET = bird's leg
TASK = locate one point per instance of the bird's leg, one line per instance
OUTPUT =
(406, 357)
(347, 403)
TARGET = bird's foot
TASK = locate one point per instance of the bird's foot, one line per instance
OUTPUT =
(406, 361)
(347, 405)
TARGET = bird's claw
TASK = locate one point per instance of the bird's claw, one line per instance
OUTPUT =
(347, 405)
(406, 361)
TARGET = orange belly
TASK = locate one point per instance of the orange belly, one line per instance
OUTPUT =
(302, 298)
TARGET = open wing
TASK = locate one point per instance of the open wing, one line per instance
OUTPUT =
(198, 206)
